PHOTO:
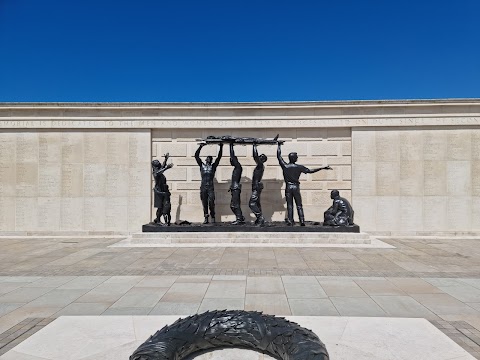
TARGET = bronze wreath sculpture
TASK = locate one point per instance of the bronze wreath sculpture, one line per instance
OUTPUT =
(252, 330)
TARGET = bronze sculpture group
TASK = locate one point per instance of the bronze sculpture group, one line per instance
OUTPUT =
(339, 214)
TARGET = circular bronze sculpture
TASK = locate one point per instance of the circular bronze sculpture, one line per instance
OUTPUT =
(252, 330)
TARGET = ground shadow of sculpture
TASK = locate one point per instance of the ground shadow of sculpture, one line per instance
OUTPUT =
(179, 206)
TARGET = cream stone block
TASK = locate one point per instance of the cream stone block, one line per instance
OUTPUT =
(179, 198)
(475, 168)
(50, 180)
(117, 178)
(255, 133)
(95, 147)
(339, 133)
(140, 179)
(268, 150)
(26, 147)
(224, 174)
(331, 175)
(173, 148)
(346, 173)
(365, 208)
(94, 213)
(387, 146)
(312, 134)
(7, 179)
(459, 145)
(117, 148)
(339, 185)
(435, 177)
(301, 148)
(26, 179)
(387, 178)
(7, 213)
(26, 213)
(50, 147)
(411, 178)
(179, 173)
(337, 160)
(139, 147)
(411, 145)
(193, 174)
(475, 213)
(272, 172)
(435, 214)
(71, 217)
(49, 213)
(188, 161)
(475, 134)
(168, 134)
(364, 146)
(72, 180)
(116, 213)
(435, 144)
(459, 212)
(189, 135)
(364, 179)
(187, 185)
(193, 197)
(139, 212)
(459, 181)
(411, 213)
(321, 199)
(8, 144)
(322, 148)
(94, 181)
(72, 147)
(346, 148)
(388, 213)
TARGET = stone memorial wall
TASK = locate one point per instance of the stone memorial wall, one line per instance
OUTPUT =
(74, 179)
(406, 166)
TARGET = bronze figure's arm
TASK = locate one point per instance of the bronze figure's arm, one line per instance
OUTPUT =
(255, 153)
(219, 156)
(308, 171)
(279, 156)
(234, 159)
(166, 156)
(197, 154)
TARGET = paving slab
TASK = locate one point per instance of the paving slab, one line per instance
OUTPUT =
(265, 285)
(345, 339)
(444, 304)
(312, 307)
(350, 306)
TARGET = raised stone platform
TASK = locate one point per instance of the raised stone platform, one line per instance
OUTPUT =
(346, 338)
(276, 227)
(251, 239)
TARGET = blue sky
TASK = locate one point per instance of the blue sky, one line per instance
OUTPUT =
(192, 50)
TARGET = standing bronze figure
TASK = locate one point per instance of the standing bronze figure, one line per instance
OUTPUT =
(257, 186)
(207, 191)
(340, 213)
(291, 175)
(236, 188)
(161, 192)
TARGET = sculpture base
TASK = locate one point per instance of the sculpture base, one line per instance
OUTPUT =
(250, 227)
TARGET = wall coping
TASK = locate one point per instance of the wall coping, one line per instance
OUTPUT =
(135, 115)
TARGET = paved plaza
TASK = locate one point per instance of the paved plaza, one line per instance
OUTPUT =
(436, 278)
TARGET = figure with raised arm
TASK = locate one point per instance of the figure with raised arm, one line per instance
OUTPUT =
(257, 186)
(236, 188)
(291, 175)
(207, 172)
(161, 192)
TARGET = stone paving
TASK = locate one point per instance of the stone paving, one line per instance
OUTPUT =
(433, 278)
